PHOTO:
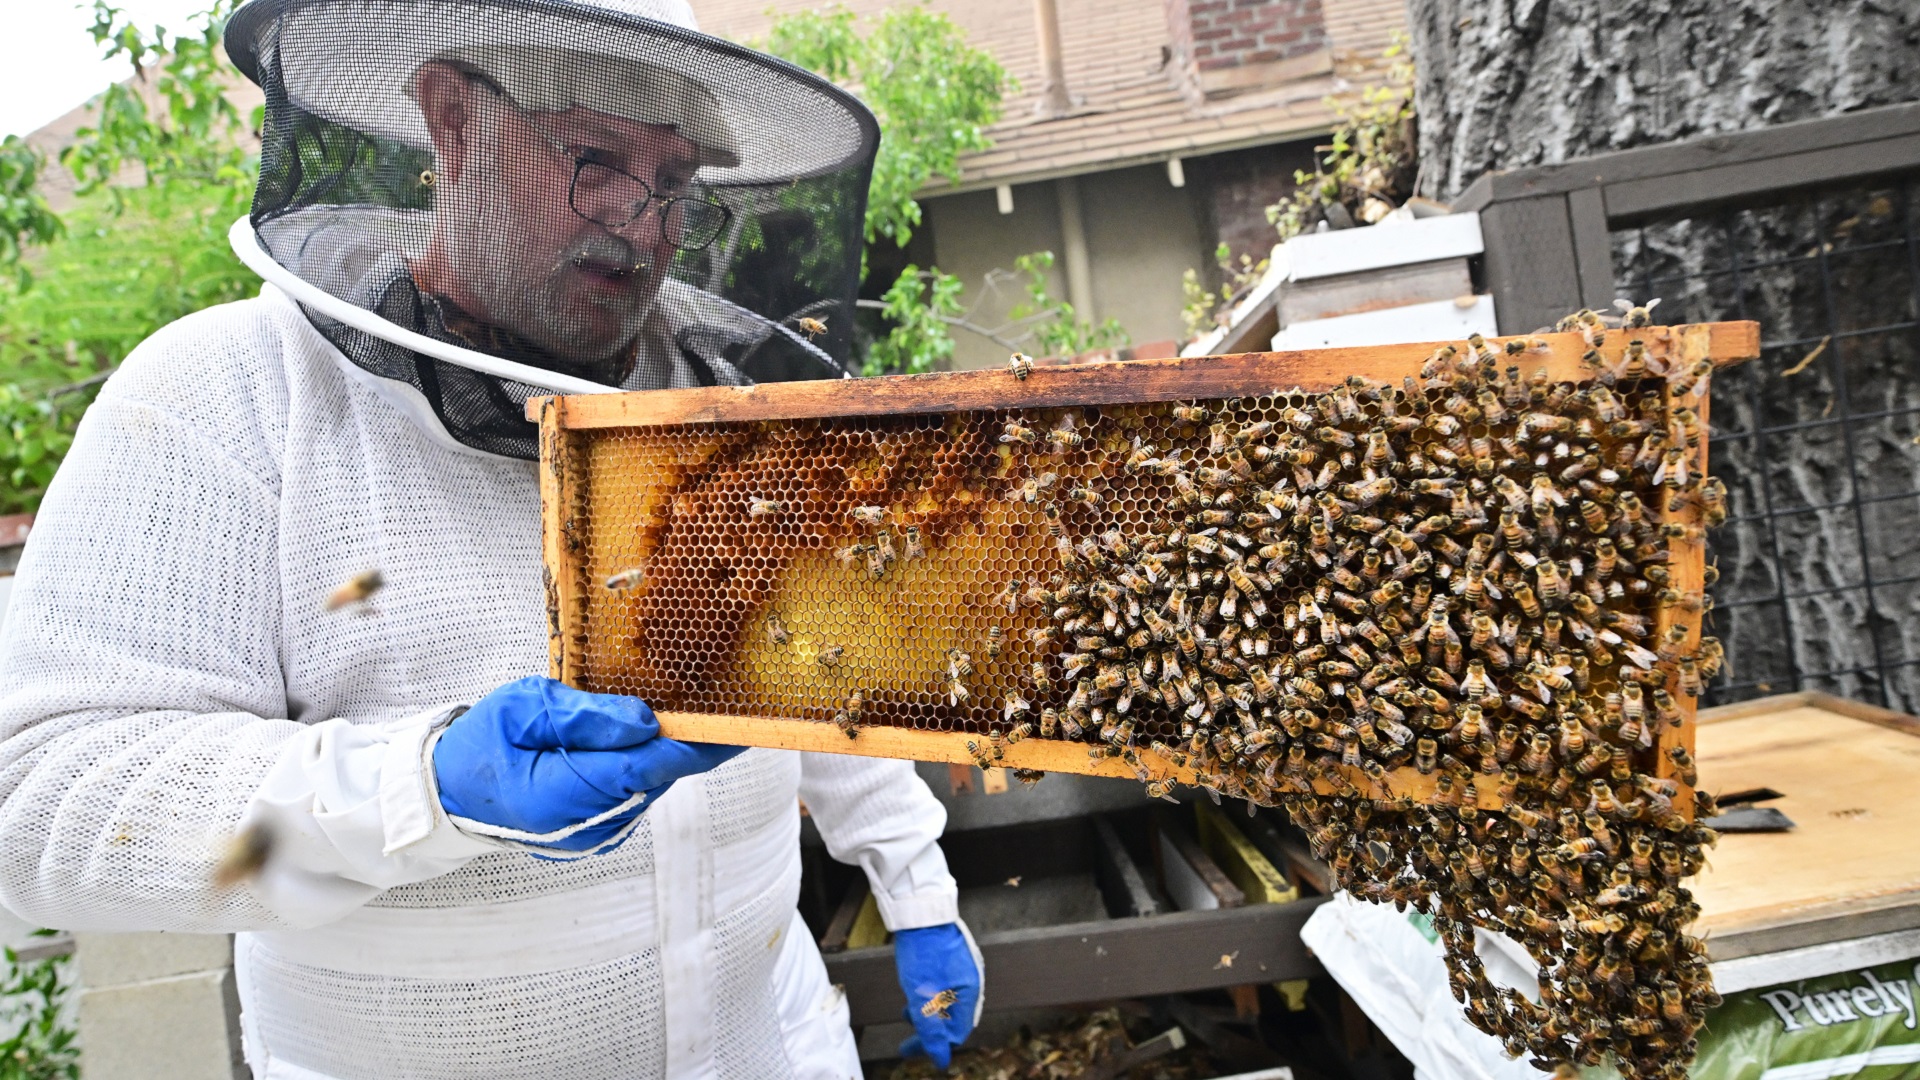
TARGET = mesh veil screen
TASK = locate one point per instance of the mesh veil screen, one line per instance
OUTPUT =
(573, 186)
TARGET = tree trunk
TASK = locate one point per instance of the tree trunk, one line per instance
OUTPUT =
(1820, 564)
(1508, 83)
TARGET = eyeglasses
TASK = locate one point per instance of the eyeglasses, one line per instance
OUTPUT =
(615, 199)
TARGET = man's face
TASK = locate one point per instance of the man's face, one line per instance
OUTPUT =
(529, 263)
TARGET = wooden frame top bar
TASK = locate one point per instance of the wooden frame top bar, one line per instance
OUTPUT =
(1114, 382)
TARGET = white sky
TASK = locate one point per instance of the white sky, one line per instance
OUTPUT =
(49, 63)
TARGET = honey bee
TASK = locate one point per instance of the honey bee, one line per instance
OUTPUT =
(1692, 379)
(829, 655)
(850, 554)
(1015, 431)
(1063, 437)
(620, 582)
(982, 754)
(959, 664)
(1020, 364)
(811, 327)
(758, 507)
(777, 633)
(847, 719)
(245, 855)
(956, 690)
(870, 516)
(360, 588)
(995, 639)
(1189, 414)
(1634, 316)
(1683, 764)
(910, 539)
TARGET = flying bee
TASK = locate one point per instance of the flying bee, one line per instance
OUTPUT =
(829, 655)
(360, 588)
(1634, 316)
(870, 516)
(1020, 364)
(811, 326)
(245, 855)
(620, 582)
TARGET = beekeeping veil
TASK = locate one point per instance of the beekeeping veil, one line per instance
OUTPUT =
(644, 206)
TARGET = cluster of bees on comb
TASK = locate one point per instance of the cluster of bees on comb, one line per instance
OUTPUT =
(1456, 587)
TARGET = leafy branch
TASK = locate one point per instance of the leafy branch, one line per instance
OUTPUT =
(1369, 167)
(41, 1047)
(933, 94)
(1204, 310)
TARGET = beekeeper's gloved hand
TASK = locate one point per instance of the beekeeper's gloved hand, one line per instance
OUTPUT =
(934, 959)
(539, 763)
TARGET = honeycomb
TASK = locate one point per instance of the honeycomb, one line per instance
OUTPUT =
(1450, 624)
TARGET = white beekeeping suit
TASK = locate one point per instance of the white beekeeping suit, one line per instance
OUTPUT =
(168, 670)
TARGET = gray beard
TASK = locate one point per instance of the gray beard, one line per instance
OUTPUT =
(533, 304)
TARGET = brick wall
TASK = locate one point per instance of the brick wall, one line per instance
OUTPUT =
(1234, 190)
(1229, 33)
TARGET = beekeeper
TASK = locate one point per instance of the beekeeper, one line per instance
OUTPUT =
(472, 872)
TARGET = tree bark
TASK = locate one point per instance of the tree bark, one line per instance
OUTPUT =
(1509, 83)
(1821, 458)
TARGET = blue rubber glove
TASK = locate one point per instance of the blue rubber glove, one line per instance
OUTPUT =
(932, 959)
(546, 765)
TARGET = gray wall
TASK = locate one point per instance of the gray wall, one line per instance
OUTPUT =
(1142, 235)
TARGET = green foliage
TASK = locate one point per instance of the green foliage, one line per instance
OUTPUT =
(25, 218)
(40, 1047)
(1065, 333)
(919, 304)
(933, 94)
(1204, 310)
(1369, 167)
(38, 434)
(145, 245)
(190, 130)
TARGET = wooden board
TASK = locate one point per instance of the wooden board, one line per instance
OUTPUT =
(1113, 382)
(1851, 866)
(568, 425)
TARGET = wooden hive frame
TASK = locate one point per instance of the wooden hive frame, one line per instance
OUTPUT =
(569, 424)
